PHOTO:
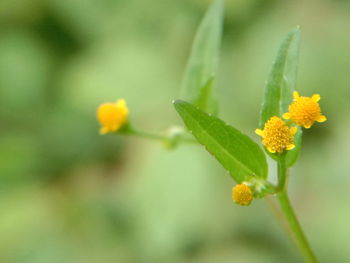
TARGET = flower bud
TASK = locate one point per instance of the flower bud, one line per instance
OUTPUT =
(112, 116)
(242, 194)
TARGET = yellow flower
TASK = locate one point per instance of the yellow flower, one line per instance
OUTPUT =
(277, 136)
(112, 116)
(242, 194)
(304, 111)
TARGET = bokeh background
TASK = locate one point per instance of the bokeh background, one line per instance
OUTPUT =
(68, 194)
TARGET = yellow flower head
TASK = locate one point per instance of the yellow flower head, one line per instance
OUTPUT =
(304, 111)
(242, 194)
(112, 116)
(277, 136)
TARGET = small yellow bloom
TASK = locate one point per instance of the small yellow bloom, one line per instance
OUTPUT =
(112, 116)
(277, 136)
(304, 111)
(242, 194)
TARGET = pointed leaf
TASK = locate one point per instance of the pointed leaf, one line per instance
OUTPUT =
(205, 101)
(281, 83)
(203, 60)
(280, 86)
(237, 153)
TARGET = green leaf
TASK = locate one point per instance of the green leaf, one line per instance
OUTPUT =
(281, 82)
(203, 60)
(237, 153)
(292, 155)
(280, 86)
(205, 100)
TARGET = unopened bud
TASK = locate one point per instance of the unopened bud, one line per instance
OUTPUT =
(242, 194)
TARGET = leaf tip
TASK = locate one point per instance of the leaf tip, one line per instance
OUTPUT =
(175, 102)
(178, 104)
(296, 30)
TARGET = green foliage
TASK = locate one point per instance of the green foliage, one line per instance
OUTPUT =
(281, 82)
(280, 86)
(206, 100)
(198, 82)
(292, 155)
(238, 154)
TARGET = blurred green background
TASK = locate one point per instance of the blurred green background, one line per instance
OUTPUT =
(68, 194)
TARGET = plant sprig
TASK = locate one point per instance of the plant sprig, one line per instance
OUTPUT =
(236, 152)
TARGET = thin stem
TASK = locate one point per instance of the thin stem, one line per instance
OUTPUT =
(271, 202)
(148, 135)
(279, 215)
(295, 227)
(282, 172)
(159, 137)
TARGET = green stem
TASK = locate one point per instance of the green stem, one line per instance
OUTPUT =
(159, 137)
(295, 227)
(148, 135)
(282, 172)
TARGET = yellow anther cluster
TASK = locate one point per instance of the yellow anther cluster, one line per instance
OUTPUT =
(277, 136)
(304, 111)
(112, 116)
(242, 194)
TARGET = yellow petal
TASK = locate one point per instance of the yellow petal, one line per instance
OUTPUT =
(104, 130)
(115, 127)
(293, 130)
(271, 150)
(307, 126)
(316, 97)
(287, 116)
(295, 95)
(121, 103)
(290, 147)
(259, 132)
(322, 118)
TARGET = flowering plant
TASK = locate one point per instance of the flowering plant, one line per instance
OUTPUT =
(284, 113)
